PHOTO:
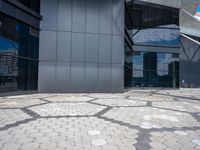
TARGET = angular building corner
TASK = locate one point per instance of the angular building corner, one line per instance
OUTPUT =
(98, 45)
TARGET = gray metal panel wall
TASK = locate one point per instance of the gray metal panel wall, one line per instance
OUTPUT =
(189, 64)
(81, 46)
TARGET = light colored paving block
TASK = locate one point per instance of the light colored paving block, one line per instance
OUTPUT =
(108, 96)
(19, 103)
(172, 140)
(11, 116)
(120, 102)
(69, 98)
(154, 118)
(181, 106)
(75, 136)
(150, 97)
(67, 109)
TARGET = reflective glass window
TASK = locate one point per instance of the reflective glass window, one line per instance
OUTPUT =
(153, 69)
(18, 55)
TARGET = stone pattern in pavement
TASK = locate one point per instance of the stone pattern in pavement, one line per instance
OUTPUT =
(152, 116)
(10, 116)
(70, 134)
(66, 109)
(120, 102)
(19, 103)
(177, 140)
(68, 98)
(136, 119)
(181, 106)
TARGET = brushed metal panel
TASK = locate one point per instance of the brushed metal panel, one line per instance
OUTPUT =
(92, 48)
(64, 46)
(105, 78)
(105, 48)
(117, 78)
(78, 47)
(105, 20)
(49, 12)
(65, 15)
(92, 16)
(47, 46)
(62, 77)
(77, 77)
(118, 17)
(118, 49)
(91, 77)
(78, 13)
(46, 77)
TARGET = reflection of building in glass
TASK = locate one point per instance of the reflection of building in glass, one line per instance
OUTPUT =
(166, 75)
(156, 40)
(8, 63)
(150, 67)
(18, 55)
(82, 45)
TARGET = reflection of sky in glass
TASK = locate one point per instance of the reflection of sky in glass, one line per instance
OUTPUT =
(138, 65)
(7, 44)
(163, 61)
(158, 36)
(162, 65)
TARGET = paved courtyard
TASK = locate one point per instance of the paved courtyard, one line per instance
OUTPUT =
(136, 119)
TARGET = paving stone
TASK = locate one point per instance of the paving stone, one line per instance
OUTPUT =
(11, 116)
(172, 140)
(75, 136)
(94, 132)
(120, 102)
(180, 106)
(157, 145)
(19, 103)
(99, 142)
(67, 109)
(196, 141)
(181, 132)
(154, 116)
(69, 98)
(60, 129)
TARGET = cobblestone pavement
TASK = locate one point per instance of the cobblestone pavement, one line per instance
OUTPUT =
(136, 119)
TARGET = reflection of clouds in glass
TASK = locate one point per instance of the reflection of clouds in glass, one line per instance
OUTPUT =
(158, 36)
(138, 65)
(137, 73)
(163, 63)
(138, 62)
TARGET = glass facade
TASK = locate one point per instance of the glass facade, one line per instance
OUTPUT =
(147, 17)
(152, 69)
(165, 36)
(19, 44)
(158, 28)
(155, 26)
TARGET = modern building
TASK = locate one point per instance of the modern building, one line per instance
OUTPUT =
(96, 45)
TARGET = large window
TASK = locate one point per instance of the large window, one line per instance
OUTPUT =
(167, 36)
(156, 28)
(153, 69)
(147, 17)
(19, 44)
